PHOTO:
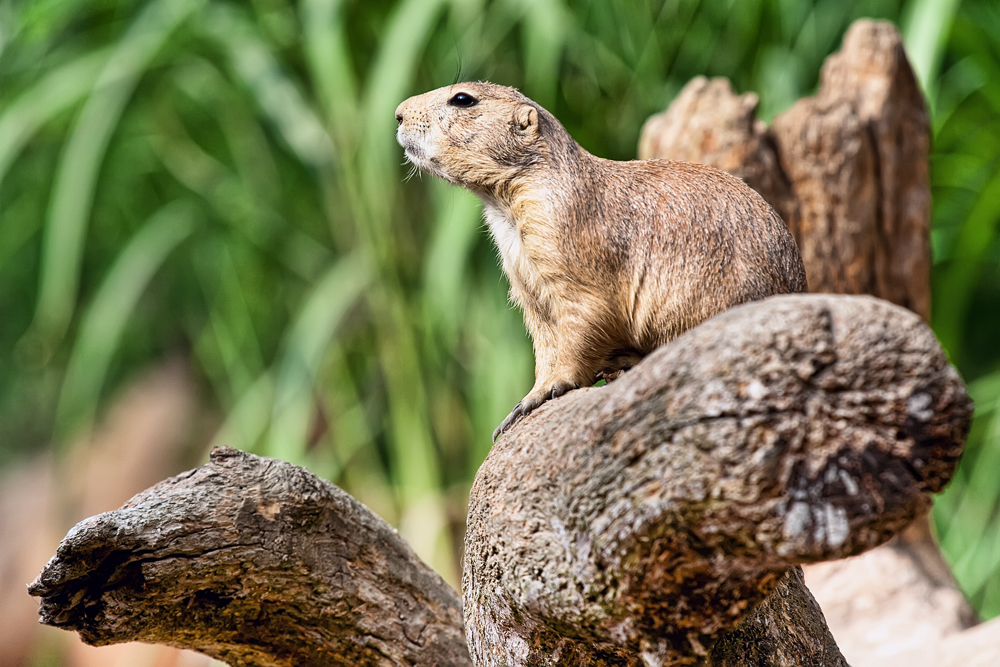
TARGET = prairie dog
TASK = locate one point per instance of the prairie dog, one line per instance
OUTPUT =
(607, 260)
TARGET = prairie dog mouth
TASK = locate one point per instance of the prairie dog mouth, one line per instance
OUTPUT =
(413, 153)
(421, 152)
(416, 154)
(412, 147)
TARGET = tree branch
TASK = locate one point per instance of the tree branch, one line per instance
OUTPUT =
(254, 562)
(643, 519)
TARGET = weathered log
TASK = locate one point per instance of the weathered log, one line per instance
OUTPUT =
(646, 517)
(254, 562)
(634, 523)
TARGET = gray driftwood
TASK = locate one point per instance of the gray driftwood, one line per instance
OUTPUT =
(634, 523)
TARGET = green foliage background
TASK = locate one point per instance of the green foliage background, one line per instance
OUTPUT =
(221, 180)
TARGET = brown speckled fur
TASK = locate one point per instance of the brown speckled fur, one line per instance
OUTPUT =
(608, 260)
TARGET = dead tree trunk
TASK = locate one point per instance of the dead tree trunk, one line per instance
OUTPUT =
(659, 520)
(847, 169)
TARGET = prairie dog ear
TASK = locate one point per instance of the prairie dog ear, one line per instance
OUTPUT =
(526, 119)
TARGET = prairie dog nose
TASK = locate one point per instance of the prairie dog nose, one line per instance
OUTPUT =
(399, 112)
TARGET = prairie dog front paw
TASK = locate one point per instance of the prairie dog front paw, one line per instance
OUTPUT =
(531, 402)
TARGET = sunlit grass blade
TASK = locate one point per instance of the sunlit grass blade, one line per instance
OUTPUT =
(957, 280)
(76, 180)
(415, 467)
(58, 91)
(501, 365)
(310, 334)
(925, 31)
(276, 93)
(546, 26)
(456, 230)
(350, 431)
(105, 320)
(331, 66)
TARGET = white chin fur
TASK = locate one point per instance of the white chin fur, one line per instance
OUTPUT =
(420, 151)
(419, 158)
(416, 157)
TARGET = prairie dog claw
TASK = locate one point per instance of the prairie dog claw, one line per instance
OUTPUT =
(530, 403)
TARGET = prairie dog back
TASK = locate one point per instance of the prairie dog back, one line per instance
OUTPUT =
(607, 260)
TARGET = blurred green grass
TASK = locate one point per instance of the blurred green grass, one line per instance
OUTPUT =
(222, 179)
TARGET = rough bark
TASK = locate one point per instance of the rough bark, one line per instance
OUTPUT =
(254, 562)
(786, 629)
(640, 520)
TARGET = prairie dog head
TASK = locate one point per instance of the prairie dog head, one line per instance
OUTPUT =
(477, 135)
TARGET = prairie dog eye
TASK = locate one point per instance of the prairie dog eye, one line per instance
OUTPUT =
(463, 100)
